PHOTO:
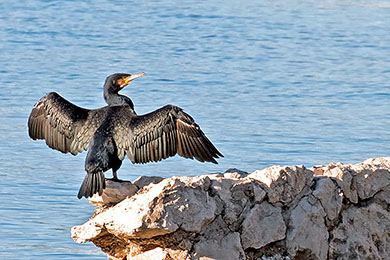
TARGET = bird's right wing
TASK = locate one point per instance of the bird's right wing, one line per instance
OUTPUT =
(63, 125)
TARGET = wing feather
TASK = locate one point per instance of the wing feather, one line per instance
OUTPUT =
(63, 125)
(162, 134)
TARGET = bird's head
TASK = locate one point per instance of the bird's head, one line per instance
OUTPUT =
(116, 82)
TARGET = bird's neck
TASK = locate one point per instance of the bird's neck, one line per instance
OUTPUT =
(115, 99)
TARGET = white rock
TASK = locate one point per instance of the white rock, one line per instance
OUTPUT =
(370, 181)
(307, 231)
(343, 177)
(225, 248)
(363, 234)
(160, 209)
(154, 254)
(284, 183)
(361, 180)
(263, 225)
(327, 192)
(142, 181)
(234, 173)
(115, 192)
(217, 217)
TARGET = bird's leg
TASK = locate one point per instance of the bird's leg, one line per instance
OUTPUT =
(115, 178)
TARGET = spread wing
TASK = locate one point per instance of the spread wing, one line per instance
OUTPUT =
(63, 125)
(161, 134)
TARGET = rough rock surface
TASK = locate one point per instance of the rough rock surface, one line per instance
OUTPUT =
(338, 211)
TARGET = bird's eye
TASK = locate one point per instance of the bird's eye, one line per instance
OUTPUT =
(120, 81)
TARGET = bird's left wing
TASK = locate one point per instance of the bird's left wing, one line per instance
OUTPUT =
(161, 134)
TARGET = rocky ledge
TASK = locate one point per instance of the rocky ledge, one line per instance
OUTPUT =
(337, 211)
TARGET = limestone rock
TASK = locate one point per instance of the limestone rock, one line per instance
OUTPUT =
(307, 231)
(142, 181)
(234, 173)
(264, 224)
(284, 183)
(383, 197)
(155, 254)
(369, 182)
(360, 181)
(363, 234)
(115, 192)
(329, 196)
(158, 210)
(218, 242)
(338, 211)
(344, 179)
(236, 196)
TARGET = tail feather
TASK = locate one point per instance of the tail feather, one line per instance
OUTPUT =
(93, 183)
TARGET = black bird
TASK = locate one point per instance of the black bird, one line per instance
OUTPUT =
(112, 131)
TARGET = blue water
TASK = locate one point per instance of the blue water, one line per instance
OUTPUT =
(269, 82)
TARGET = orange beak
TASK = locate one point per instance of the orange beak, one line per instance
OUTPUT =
(124, 82)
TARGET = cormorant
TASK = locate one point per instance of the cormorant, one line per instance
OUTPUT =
(112, 131)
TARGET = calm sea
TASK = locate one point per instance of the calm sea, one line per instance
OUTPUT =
(269, 82)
